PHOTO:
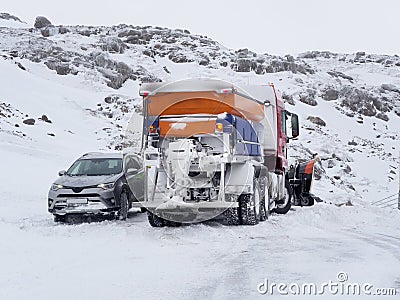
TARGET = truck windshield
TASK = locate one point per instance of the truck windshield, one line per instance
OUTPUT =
(96, 167)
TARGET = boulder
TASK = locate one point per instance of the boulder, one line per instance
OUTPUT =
(316, 120)
(390, 88)
(112, 45)
(330, 94)
(29, 121)
(44, 118)
(41, 22)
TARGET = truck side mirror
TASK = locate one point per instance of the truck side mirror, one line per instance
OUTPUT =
(62, 173)
(295, 125)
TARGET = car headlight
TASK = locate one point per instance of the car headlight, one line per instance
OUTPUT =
(106, 186)
(56, 187)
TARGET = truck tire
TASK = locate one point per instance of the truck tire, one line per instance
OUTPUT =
(231, 216)
(306, 200)
(154, 220)
(249, 206)
(124, 205)
(264, 196)
(287, 203)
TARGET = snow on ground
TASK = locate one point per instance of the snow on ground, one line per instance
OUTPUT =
(130, 260)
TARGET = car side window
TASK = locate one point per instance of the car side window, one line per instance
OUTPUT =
(129, 163)
(136, 163)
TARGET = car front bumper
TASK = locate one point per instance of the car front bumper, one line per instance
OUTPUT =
(88, 201)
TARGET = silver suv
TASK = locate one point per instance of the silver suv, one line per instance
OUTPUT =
(98, 183)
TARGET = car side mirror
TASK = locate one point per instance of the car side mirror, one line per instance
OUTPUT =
(295, 125)
(131, 171)
(62, 173)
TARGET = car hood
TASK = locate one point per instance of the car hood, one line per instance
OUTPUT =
(83, 181)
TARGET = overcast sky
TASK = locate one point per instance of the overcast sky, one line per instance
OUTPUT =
(264, 26)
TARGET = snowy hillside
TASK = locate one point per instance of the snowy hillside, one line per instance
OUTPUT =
(67, 90)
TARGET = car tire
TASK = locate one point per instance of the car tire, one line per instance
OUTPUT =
(124, 205)
(59, 218)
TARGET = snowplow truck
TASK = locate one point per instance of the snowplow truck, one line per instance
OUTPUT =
(212, 149)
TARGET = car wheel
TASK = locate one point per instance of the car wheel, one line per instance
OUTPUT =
(59, 218)
(124, 206)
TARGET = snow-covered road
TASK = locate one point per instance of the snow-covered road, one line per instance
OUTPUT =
(131, 260)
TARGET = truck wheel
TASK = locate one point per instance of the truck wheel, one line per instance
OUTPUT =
(154, 220)
(283, 208)
(124, 206)
(264, 206)
(306, 200)
(249, 206)
(231, 216)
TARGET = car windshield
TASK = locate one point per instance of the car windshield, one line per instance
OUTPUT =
(96, 167)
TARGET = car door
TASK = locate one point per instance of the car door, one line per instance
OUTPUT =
(133, 168)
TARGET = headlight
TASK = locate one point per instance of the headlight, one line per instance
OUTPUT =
(106, 186)
(56, 187)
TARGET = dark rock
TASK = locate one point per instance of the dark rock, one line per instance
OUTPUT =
(288, 98)
(20, 66)
(308, 99)
(44, 118)
(178, 57)
(166, 70)
(51, 134)
(330, 94)
(29, 121)
(358, 101)
(84, 32)
(113, 45)
(7, 16)
(123, 69)
(331, 163)
(63, 30)
(390, 88)
(204, 62)
(60, 68)
(16, 125)
(341, 75)
(243, 65)
(41, 22)
(45, 32)
(382, 116)
(352, 143)
(111, 99)
(316, 120)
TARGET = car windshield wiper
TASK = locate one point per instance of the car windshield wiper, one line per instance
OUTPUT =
(98, 174)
